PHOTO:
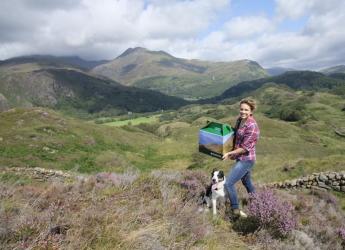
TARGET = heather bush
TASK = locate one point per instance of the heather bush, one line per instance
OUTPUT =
(246, 225)
(328, 197)
(341, 233)
(118, 180)
(195, 183)
(272, 213)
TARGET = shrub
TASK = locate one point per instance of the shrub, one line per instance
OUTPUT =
(341, 233)
(195, 183)
(272, 213)
(151, 128)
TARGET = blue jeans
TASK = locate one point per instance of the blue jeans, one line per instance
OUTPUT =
(241, 171)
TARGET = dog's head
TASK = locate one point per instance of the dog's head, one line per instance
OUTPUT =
(217, 176)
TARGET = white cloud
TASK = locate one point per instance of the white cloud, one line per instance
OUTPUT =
(292, 9)
(245, 27)
(86, 24)
(184, 28)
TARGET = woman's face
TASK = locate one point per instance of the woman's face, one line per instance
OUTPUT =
(245, 111)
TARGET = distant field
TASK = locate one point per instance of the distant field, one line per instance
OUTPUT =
(134, 121)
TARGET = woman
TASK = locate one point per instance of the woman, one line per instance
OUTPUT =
(247, 135)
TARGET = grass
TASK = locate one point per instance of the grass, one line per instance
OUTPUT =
(133, 122)
(146, 211)
(45, 138)
(99, 215)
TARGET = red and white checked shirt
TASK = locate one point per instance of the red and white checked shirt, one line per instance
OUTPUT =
(246, 138)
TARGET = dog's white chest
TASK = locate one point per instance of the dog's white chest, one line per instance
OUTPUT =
(218, 190)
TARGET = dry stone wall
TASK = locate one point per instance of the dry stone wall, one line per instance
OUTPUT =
(40, 174)
(324, 180)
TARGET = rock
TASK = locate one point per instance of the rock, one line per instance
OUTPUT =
(317, 188)
(294, 183)
(338, 176)
(335, 183)
(331, 176)
(336, 188)
(342, 188)
(323, 185)
(323, 178)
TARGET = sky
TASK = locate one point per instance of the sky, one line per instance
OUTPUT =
(300, 34)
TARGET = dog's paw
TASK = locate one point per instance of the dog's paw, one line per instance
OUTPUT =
(203, 210)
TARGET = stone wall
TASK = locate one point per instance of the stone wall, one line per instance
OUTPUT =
(40, 174)
(324, 180)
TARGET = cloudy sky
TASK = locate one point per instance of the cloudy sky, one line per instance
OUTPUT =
(305, 34)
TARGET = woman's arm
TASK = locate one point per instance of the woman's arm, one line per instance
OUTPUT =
(249, 140)
(233, 153)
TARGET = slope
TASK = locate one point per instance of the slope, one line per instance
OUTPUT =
(297, 80)
(334, 69)
(193, 79)
(31, 84)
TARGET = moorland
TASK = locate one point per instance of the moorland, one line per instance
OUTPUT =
(75, 117)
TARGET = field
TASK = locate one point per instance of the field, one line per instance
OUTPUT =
(134, 121)
(170, 140)
(155, 161)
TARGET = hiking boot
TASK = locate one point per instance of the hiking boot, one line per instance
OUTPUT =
(237, 213)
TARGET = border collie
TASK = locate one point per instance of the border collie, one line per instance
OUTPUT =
(216, 191)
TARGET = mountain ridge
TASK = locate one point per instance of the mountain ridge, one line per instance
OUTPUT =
(160, 71)
(28, 85)
(57, 61)
(333, 69)
(297, 80)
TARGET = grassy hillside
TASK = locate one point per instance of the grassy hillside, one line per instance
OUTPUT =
(191, 79)
(151, 199)
(305, 145)
(53, 61)
(44, 138)
(296, 80)
(72, 90)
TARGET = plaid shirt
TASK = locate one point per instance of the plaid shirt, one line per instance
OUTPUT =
(246, 138)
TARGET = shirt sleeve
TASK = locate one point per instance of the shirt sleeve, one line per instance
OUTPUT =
(250, 137)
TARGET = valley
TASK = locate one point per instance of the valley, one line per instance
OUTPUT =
(129, 172)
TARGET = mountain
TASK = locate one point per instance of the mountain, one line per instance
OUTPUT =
(31, 84)
(334, 69)
(278, 70)
(297, 80)
(54, 61)
(190, 79)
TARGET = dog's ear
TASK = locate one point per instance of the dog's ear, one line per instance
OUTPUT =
(221, 174)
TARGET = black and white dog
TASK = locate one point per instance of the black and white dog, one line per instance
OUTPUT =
(216, 191)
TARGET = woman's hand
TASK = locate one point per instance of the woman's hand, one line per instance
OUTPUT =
(229, 156)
